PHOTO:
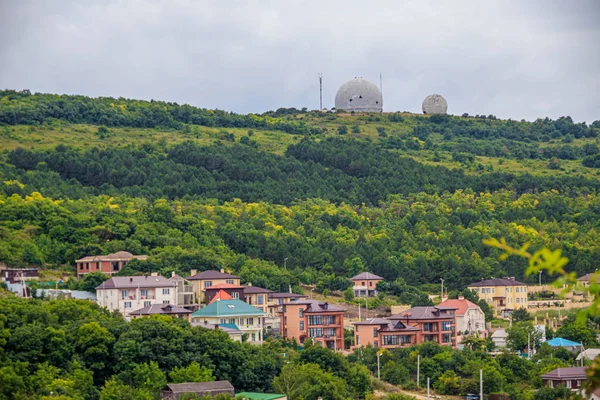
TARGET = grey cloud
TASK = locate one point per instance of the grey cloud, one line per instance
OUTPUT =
(512, 59)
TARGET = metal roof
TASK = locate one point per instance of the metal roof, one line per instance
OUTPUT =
(133, 282)
(196, 387)
(161, 309)
(227, 308)
(366, 276)
(211, 274)
(497, 282)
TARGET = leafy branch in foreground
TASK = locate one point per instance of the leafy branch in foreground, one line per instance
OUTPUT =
(553, 262)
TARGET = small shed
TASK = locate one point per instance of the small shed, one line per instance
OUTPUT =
(172, 391)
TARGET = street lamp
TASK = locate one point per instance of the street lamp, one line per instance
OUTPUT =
(540, 275)
(285, 263)
(442, 296)
(379, 353)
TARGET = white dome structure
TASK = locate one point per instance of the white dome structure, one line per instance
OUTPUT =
(359, 95)
(435, 104)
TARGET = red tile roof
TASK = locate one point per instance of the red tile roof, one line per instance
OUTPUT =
(221, 295)
(460, 305)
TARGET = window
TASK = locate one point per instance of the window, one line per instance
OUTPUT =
(446, 338)
(517, 290)
(330, 332)
(357, 340)
(81, 266)
(166, 291)
(249, 321)
(370, 283)
(446, 326)
(493, 290)
(115, 266)
(147, 303)
(315, 332)
(376, 344)
(363, 284)
(315, 320)
(568, 384)
(144, 292)
(301, 325)
(207, 284)
(389, 340)
(374, 332)
(301, 313)
(87, 265)
(260, 299)
(124, 294)
(166, 302)
(330, 320)
(222, 321)
(405, 339)
(232, 320)
(229, 281)
(518, 300)
(285, 320)
(127, 304)
(235, 295)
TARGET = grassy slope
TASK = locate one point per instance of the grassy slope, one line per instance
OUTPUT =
(84, 136)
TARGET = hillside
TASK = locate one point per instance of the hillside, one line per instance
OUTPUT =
(409, 197)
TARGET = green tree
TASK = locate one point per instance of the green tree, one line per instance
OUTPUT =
(116, 390)
(355, 129)
(394, 373)
(342, 130)
(148, 376)
(548, 393)
(192, 373)
(520, 314)
(349, 294)
(90, 281)
(448, 383)
(309, 382)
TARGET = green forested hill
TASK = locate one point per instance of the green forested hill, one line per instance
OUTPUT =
(405, 196)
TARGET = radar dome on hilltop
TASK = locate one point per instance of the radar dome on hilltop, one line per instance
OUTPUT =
(359, 95)
(435, 104)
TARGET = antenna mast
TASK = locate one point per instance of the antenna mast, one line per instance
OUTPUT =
(320, 91)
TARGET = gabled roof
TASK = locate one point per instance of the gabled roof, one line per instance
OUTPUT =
(315, 306)
(460, 305)
(497, 282)
(161, 309)
(212, 275)
(227, 308)
(387, 325)
(372, 321)
(221, 295)
(196, 387)
(285, 295)
(365, 276)
(573, 372)
(500, 333)
(118, 256)
(560, 342)
(588, 354)
(588, 277)
(421, 313)
(131, 282)
(259, 396)
(255, 289)
(231, 329)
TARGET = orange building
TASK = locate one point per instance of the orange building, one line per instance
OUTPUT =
(410, 327)
(365, 284)
(319, 321)
(110, 264)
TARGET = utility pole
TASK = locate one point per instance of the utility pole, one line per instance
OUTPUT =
(418, 370)
(480, 384)
(320, 91)
(540, 274)
(285, 263)
(428, 387)
(358, 312)
(442, 297)
(378, 368)
(528, 346)
(367, 307)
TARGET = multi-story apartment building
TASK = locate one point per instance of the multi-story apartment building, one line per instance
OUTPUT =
(130, 293)
(200, 281)
(470, 319)
(503, 294)
(184, 292)
(257, 297)
(365, 284)
(413, 326)
(277, 300)
(235, 314)
(110, 264)
(312, 319)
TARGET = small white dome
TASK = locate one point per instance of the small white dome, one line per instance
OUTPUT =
(359, 95)
(435, 104)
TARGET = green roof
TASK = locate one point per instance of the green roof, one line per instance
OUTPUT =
(258, 396)
(227, 308)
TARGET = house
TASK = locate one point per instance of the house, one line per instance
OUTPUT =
(257, 297)
(502, 294)
(248, 319)
(469, 317)
(499, 338)
(184, 292)
(365, 284)
(566, 343)
(385, 333)
(319, 321)
(220, 295)
(260, 396)
(234, 291)
(17, 275)
(436, 324)
(587, 279)
(162, 309)
(588, 354)
(129, 293)
(278, 299)
(231, 329)
(200, 281)
(572, 377)
(172, 391)
(110, 264)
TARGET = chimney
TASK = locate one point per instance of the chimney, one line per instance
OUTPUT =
(461, 297)
(130, 280)
(290, 286)
(154, 274)
(222, 270)
(193, 272)
(249, 284)
(172, 274)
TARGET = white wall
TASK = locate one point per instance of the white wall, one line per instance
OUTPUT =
(112, 298)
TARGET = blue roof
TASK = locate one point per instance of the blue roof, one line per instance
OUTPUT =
(226, 308)
(560, 342)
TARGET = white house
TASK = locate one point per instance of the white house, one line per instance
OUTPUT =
(469, 316)
(499, 338)
(129, 293)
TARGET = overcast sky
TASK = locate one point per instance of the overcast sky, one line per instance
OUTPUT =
(515, 60)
